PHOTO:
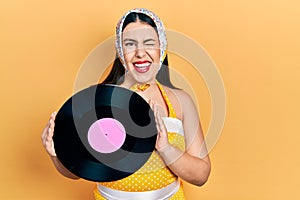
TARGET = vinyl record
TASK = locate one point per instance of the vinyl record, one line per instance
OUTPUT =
(104, 133)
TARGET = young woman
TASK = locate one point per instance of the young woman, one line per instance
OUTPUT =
(142, 66)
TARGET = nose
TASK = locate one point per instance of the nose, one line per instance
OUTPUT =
(140, 51)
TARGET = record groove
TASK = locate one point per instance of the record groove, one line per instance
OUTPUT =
(98, 102)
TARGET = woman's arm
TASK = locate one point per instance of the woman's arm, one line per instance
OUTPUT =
(193, 165)
(47, 140)
(61, 169)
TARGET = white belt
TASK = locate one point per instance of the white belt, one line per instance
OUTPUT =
(160, 194)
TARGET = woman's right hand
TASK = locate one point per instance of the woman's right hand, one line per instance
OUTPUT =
(47, 136)
(47, 139)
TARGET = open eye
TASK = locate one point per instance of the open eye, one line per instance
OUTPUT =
(129, 44)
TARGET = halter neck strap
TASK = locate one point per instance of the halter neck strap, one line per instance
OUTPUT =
(171, 110)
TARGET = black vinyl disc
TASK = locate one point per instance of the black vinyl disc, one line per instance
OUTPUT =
(104, 133)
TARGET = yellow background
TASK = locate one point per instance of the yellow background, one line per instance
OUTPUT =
(255, 45)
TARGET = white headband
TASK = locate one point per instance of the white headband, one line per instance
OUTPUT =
(160, 30)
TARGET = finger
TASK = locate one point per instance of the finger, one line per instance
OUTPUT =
(157, 121)
(162, 125)
(51, 123)
(152, 104)
(48, 125)
(156, 118)
(50, 135)
(45, 131)
(154, 107)
(53, 151)
(53, 115)
(43, 139)
(158, 129)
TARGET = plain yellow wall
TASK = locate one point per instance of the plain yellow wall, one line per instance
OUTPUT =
(255, 45)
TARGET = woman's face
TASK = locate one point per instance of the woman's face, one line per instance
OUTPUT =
(141, 52)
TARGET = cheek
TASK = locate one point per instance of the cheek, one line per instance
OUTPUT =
(128, 57)
(155, 54)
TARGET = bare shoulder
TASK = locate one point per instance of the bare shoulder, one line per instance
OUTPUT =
(181, 95)
(181, 100)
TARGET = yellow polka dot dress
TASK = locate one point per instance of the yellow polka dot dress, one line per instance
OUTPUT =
(154, 174)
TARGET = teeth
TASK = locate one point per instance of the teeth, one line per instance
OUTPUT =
(142, 65)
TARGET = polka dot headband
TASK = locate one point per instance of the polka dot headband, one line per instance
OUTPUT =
(160, 30)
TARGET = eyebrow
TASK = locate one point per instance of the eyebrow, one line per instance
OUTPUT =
(128, 39)
(132, 40)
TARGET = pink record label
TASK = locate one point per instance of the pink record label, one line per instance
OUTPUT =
(106, 135)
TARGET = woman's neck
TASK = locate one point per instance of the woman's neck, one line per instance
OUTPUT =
(137, 85)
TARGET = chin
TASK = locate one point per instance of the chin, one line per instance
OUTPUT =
(144, 79)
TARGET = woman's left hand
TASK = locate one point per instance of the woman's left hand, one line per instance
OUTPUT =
(162, 135)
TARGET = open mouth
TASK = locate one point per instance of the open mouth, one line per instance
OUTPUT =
(142, 66)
